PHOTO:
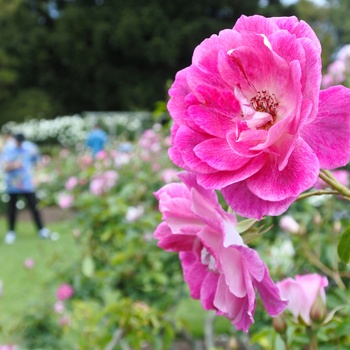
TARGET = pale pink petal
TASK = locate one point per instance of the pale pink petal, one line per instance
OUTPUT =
(302, 292)
(312, 285)
(194, 273)
(290, 290)
(252, 262)
(233, 269)
(270, 295)
(174, 243)
(220, 301)
(208, 290)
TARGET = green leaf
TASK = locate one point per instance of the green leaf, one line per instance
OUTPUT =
(332, 313)
(88, 266)
(245, 225)
(344, 246)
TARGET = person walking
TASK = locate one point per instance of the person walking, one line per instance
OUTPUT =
(18, 164)
(96, 139)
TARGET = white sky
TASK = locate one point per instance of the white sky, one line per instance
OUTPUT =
(318, 2)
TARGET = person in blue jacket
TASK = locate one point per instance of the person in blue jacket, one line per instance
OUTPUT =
(96, 139)
(18, 163)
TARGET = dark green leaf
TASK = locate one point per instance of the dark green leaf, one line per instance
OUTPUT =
(344, 246)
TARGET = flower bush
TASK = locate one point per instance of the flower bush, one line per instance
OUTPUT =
(251, 121)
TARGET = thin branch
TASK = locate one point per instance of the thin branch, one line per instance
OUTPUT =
(117, 336)
(319, 264)
(316, 193)
(327, 177)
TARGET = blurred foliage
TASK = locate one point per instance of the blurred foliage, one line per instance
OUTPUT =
(130, 292)
(99, 55)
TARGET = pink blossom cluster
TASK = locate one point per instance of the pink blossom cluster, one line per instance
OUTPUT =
(65, 291)
(338, 69)
(150, 148)
(103, 182)
(9, 347)
(71, 183)
(65, 200)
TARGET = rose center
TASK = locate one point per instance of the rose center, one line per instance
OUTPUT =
(260, 112)
(266, 105)
(265, 102)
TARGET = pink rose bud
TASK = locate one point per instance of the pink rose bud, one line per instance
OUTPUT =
(288, 223)
(279, 324)
(302, 294)
(318, 310)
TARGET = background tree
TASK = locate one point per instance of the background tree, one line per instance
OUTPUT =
(62, 57)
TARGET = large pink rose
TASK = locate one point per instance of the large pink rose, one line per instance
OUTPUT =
(302, 293)
(250, 119)
(219, 268)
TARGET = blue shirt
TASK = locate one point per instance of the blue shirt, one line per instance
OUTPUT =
(20, 180)
(96, 140)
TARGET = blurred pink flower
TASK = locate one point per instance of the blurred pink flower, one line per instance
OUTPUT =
(8, 347)
(150, 140)
(64, 321)
(71, 183)
(219, 268)
(85, 161)
(1, 289)
(29, 263)
(336, 70)
(134, 213)
(102, 155)
(64, 291)
(45, 159)
(156, 167)
(97, 186)
(302, 293)
(111, 177)
(59, 307)
(327, 81)
(344, 53)
(64, 153)
(122, 159)
(169, 175)
(288, 224)
(65, 200)
(103, 182)
(250, 119)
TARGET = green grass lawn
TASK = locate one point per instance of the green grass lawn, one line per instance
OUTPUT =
(21, 286)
